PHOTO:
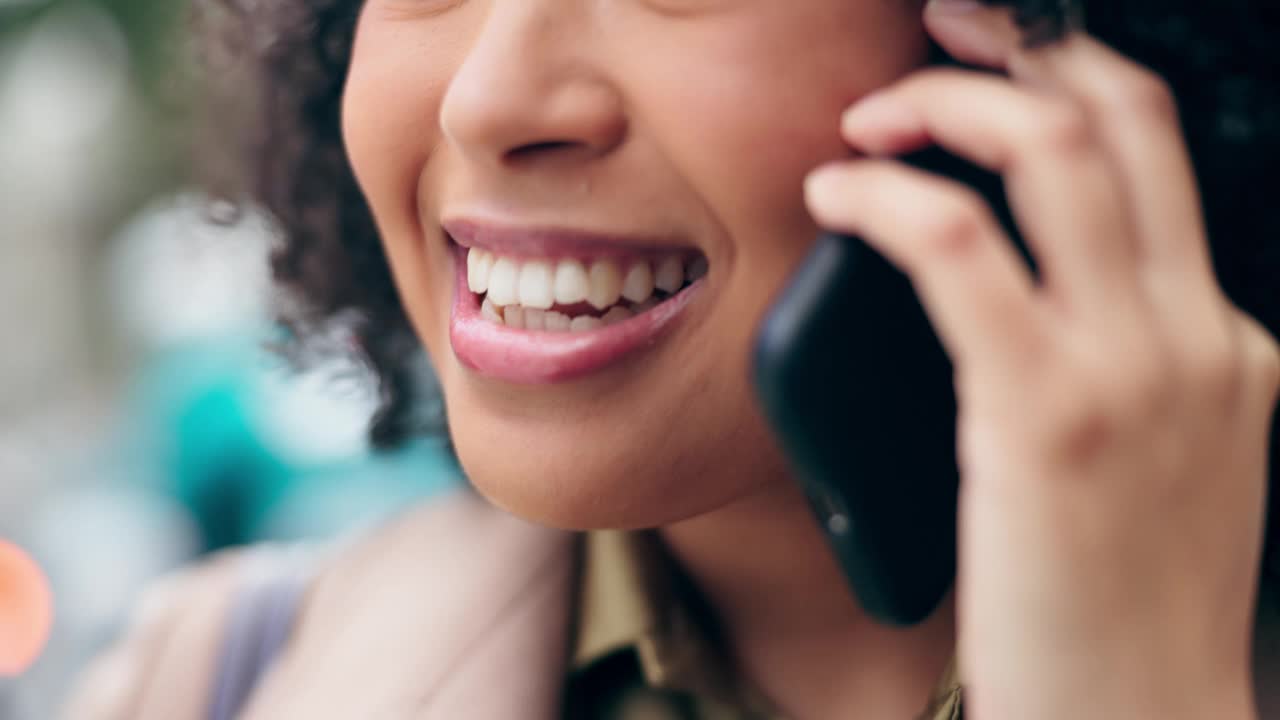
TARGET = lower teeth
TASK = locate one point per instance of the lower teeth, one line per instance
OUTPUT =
(522, 318)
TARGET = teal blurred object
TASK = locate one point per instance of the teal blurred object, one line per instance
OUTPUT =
(203, 411)
(194, 410)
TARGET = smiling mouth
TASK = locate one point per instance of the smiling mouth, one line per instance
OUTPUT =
(572, 295)
(538, 307)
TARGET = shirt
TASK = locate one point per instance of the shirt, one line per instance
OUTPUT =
(647, 647)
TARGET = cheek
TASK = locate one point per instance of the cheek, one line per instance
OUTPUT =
(746, 134)
(389, 109)
(400, 71)
(386, 139)
(767, 119)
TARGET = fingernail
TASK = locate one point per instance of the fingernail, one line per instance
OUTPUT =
(953, 6)
(817, 180)
(879, 114)
(821, 184)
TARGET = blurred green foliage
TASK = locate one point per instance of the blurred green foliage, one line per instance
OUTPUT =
(152, 29)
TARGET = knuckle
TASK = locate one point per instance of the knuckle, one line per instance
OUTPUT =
(1266, 364)
(1216, 371)
(956, 227)
(1260, 361)
(1103, 401)
(1064, 128)
(1146, 94)
(1085, 426)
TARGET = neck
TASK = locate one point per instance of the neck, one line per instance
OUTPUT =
(792, 624)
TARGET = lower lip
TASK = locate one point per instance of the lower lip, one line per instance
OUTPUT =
(542, 358)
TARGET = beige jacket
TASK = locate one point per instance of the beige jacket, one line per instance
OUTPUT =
(455, 611)
(458, 610)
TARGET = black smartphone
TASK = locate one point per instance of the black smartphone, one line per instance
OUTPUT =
(859, 391)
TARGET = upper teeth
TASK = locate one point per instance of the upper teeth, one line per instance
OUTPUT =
(638, 285)
(670, 275)
(504, 282)
(542, 284)
(535, 289)
(572, 282)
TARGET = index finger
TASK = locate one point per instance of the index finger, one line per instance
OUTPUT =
(1132, 109)
(1061, 186)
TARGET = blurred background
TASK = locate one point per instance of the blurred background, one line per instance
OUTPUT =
(143, 421)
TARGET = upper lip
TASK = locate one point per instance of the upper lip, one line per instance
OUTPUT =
(542, 241)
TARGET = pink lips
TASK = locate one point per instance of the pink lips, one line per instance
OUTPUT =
(540, 358)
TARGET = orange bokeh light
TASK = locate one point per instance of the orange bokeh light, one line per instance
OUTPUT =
(26, 610)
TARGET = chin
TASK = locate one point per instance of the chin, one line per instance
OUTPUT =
(553, 479)
(592, 474)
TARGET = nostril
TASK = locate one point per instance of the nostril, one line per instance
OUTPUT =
(540, 148)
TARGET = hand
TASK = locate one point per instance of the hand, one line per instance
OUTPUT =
(1114, 413)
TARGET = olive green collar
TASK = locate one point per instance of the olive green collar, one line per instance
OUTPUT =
(632, 597)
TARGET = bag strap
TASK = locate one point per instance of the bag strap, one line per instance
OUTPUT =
(262, 617)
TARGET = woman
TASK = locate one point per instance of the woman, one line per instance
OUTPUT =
(582, 210)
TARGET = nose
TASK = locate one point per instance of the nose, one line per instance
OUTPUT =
(530, 91)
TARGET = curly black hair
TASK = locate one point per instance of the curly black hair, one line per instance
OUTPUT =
(291, 57)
